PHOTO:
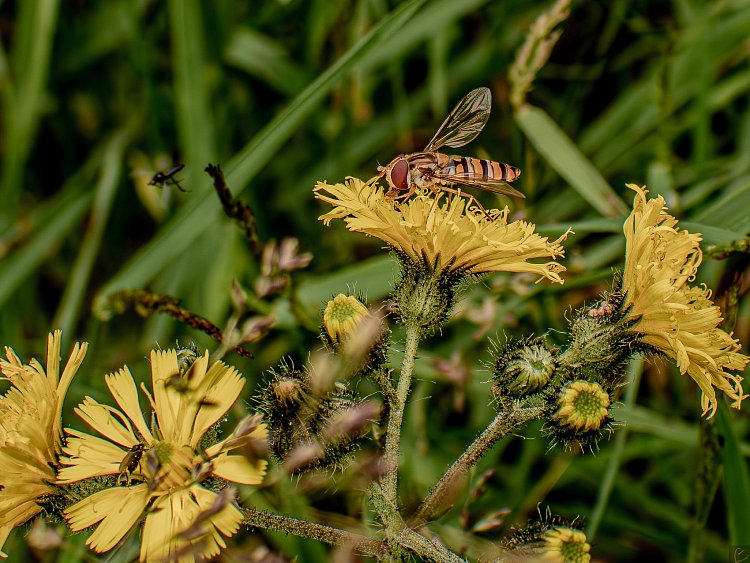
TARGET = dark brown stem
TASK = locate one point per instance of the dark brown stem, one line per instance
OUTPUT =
(327, 534)
(145, 303)
(239, 212)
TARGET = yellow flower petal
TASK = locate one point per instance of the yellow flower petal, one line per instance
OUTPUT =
(88, 456)
(227, 521)
(215, 394)
(124, 391)
(446, 234)
(169, 516)
(679, 320)
(239, 469)
(167, 398)
(107, 421)
(118, 509)
(30, 430)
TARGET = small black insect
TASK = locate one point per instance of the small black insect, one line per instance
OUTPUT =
(165, 178)
(130, 462)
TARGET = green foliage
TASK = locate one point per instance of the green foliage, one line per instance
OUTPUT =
(284, 93)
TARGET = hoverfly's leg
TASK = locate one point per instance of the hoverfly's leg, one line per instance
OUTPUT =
(471, 197)
(392, 194)
(407, 194)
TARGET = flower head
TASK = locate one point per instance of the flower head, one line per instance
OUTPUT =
(166, 460)
(342, 315)
(583, 406)
(679, 320)
(30, 430)
(564, 545)
(442, 232)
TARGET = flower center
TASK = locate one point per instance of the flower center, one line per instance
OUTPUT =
(583, 405)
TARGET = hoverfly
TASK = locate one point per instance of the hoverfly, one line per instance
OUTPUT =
(163, 178)
(438, 171)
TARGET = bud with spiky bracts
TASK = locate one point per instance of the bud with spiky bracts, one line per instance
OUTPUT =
(550, 538)
(601, 341)
(425, 294)
(282, 400)
(523, 367)
(186, 356)
(298, 414)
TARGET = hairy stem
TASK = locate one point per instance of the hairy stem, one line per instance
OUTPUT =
(327, 534)
(501, 425)
(425, 548)
(393, 436)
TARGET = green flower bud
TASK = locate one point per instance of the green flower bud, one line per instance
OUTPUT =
(523, 367)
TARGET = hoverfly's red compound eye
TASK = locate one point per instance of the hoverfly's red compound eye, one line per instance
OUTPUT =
(399, 174)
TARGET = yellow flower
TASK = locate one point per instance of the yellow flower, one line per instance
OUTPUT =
(164, 460)
(442, 231)
(679, 320)
(30, 430)
(342, 315)
(583, 406)
(565, 545)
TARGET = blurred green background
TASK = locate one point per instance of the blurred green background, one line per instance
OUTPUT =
(99, 95)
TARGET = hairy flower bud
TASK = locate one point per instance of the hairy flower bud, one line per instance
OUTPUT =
(299, 415)
(522, 367)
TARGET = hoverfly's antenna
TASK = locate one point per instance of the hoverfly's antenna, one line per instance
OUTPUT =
(381, 170)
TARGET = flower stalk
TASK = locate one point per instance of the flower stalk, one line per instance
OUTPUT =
(395, 420)
(303, 528)
(501, 425)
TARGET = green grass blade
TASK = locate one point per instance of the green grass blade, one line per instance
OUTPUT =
(106, 188)
(615, 456)
(203, 208)
(18, 266)
(374, 278)
(568, 161)
(736, 480)
(37, 22)
(194, 124)
(261, 56)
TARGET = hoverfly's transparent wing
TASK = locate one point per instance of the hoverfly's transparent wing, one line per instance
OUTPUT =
(465, 122)
(494, 185)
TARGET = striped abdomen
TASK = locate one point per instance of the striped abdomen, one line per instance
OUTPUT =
(479, 169)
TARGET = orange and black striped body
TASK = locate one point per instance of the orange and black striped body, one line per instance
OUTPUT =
(479, 169)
